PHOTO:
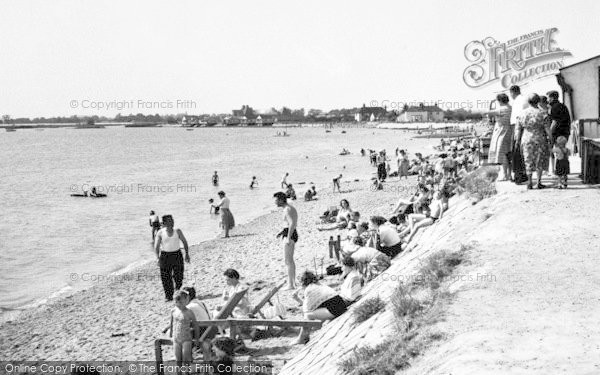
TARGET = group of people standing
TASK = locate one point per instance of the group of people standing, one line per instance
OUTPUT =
(526, 136)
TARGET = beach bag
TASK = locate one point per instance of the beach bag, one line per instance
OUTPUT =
(275, 310)
(334, 270)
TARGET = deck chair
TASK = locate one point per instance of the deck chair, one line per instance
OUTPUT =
(266, 299)
(208, 334)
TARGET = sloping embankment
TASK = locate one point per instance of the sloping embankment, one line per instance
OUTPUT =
(526, 302)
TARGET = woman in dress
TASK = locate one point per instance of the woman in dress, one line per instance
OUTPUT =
(227, 220)
(533, 138)
(501, 143)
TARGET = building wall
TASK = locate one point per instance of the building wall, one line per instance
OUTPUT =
(583, 79)
(422, 116)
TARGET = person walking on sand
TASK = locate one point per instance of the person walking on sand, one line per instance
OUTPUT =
(284, 183)
(289, 235)
(215, 179)
(227, 220)
(336, 183)
(168, 253)
(154, 224)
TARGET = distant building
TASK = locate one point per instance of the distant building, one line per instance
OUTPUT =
(421, 113)
(370, 114)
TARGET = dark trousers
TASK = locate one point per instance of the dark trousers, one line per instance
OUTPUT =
(171, 269)
(517, 164)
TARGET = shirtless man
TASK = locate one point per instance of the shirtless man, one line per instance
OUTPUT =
(289, 236)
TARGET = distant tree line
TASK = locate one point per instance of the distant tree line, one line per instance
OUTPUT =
(285, 115)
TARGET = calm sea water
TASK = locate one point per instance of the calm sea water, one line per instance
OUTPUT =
(53, 243)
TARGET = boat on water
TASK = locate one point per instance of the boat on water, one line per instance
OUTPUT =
(82, 195)
(140, 124)
(85, 126)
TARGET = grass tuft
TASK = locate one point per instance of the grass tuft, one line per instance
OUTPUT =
(413, 317)
(368, 308)
(480, 183)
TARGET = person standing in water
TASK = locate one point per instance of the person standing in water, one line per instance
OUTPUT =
(215, 179)
(154, 224)
(168, 253)
(289, 236)
(284, 183)
(253, 183)
(227, 220)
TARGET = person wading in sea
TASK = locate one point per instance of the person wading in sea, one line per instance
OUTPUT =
(169, 256)
(289, 236)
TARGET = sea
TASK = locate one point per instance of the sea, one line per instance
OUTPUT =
(53, 244)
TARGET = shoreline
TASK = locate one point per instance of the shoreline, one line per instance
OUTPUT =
(132, 306)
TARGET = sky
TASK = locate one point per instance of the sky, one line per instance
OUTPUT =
(63, 58)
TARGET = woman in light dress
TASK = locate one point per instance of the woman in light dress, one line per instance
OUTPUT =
(501, 143)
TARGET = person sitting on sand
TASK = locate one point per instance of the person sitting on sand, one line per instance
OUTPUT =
(320, 302)
(352, 281)
(388, 241)
(198, 307)
(374, 260)
(224, 348)
(431, 214)
(181, 320)
(290, 192)
(342, 218)
(232, 279)
(310, 194)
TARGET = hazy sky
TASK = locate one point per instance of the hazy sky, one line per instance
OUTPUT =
(223, 54)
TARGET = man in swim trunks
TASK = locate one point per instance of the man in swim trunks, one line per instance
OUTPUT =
(289, 236)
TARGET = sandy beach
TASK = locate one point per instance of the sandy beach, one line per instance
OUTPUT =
(118, 319)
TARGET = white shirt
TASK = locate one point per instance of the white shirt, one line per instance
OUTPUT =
(518, 105)
(388, 236)
(199, 309)
(224, 203)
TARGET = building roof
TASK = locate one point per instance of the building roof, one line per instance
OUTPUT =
(372, 110)
(580, 62)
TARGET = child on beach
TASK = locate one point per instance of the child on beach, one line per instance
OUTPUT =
(181, 319)
(213, 209)
(224, 350)
(562, 167)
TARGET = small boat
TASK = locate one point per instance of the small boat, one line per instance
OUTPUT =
(98, 195)
(327, 131)
(189, 130)
(343, 132)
